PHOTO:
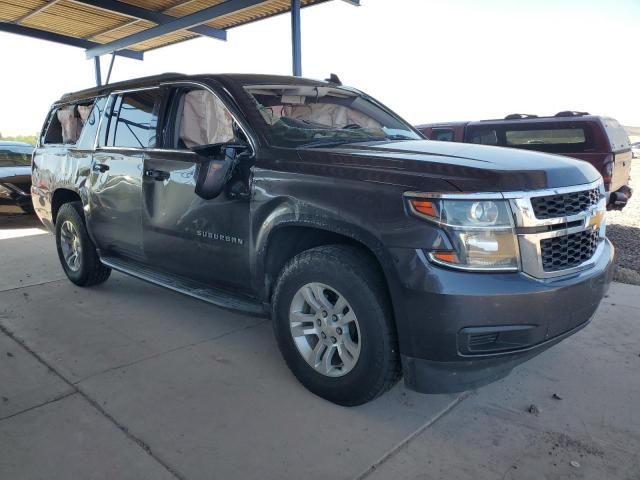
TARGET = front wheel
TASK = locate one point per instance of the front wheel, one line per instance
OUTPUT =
(333, 323)
(76, 250)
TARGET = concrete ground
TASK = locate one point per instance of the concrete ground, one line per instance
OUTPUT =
(131, 381)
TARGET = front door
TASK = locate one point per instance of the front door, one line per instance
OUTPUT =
(184, 234)
(115, 181)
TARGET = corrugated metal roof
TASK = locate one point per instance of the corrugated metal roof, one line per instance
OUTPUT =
(102, 24)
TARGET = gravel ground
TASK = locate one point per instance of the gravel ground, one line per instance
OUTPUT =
(623, 229)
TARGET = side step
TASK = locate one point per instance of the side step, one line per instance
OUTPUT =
(192, 288)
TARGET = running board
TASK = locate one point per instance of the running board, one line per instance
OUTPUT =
(192, 288)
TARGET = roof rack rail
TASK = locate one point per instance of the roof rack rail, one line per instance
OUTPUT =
(519, 116)
(570, 113)
(333, 78)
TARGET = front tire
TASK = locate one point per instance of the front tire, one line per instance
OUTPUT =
(333, 323)
(76, 250)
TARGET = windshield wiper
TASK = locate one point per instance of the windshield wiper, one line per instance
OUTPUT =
(327, 143)
(399, 137)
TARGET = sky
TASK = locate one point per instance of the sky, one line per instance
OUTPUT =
(428, 60)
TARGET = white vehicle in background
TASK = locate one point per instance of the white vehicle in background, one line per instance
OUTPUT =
(635, 149)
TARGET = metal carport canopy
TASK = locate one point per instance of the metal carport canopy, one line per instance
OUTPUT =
(131, 27)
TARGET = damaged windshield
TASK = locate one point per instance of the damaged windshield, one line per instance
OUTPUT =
(321, 116)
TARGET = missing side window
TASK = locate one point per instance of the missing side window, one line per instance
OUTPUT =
(66, 123)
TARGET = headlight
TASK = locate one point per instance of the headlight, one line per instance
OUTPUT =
(481, 231)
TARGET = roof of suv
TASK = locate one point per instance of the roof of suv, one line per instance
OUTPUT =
(536, 119)
(517, 118)
(240, 78)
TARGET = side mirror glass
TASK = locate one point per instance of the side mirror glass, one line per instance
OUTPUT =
(216, 167)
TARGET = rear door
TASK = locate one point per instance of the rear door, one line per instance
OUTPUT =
(115, 183)
(184, 234)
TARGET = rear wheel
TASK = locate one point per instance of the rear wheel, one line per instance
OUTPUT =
(76, 250)
(333, 324)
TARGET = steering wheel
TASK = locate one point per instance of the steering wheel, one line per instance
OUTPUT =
(351, 126)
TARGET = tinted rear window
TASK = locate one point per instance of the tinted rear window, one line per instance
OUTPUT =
(442, 134)
(483, 136)
(545, 137)
(551, 137)
(12, 156)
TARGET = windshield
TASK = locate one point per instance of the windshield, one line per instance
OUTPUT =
(15, 155)
(297, 115)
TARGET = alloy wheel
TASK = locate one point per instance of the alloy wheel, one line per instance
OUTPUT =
(325, 329)
(70, 245)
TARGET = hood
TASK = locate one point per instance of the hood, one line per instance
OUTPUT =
(15, 174)
(424, 164)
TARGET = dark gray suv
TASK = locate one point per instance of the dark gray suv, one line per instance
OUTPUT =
(375, 252)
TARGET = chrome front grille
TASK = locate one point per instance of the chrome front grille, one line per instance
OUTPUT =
(564, 204)
(568, 251)
(560, 231)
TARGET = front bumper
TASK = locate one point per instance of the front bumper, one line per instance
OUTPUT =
(463, 330)
(13, 199)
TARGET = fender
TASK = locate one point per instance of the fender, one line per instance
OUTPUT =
(55, 171)
(288, 212)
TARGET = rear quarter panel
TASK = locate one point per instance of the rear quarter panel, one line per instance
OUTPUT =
(57, 167)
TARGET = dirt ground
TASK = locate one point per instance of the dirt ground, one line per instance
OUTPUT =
(623, 229)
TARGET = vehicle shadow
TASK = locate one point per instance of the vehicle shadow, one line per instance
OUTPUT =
(626, 240)
(21, 225)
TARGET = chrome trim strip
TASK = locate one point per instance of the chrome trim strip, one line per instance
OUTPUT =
(124, 149)
(553, 191)
(129, 90)
(456, 196)
(506, 195)
(172, 150)
(146, 150)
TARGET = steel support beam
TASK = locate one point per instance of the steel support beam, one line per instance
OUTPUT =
(96, 63)
(113, 59)
(296, 40)
(355, 3)
(144, 14)
(63, 39)
(36, 11)
(180, 23)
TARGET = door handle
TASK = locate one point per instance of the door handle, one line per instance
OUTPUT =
(157, 175)
(100, 167)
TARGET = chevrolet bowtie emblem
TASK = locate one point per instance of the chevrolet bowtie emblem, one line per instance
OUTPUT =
(596, 219)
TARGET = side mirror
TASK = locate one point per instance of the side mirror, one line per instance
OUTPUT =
(216, 168)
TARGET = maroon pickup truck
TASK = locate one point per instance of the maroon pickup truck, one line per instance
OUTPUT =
(601, 141)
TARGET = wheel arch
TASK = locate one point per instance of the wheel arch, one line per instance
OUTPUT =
(60, 197)
(292, 235)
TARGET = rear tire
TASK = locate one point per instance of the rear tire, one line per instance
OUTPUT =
(333, 323)
(76, 251)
